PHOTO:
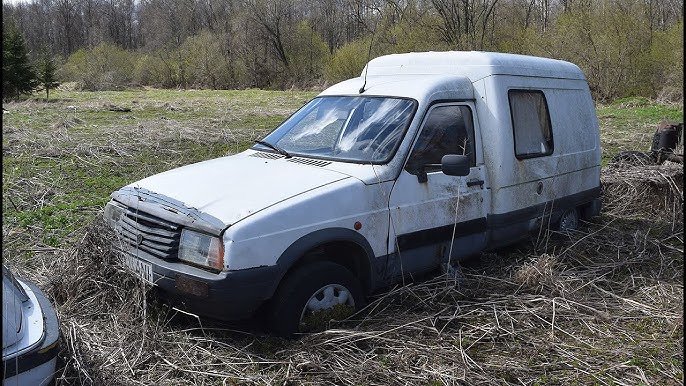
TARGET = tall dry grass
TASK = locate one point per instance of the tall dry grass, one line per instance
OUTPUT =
(601, 305)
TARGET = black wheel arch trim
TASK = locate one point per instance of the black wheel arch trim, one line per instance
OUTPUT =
(310, 241)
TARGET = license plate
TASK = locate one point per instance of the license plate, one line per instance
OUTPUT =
(139, 268)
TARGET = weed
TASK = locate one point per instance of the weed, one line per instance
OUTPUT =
(602, 306)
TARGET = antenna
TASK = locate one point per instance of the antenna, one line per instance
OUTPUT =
(369, 55)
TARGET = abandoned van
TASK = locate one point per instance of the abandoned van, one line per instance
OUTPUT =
(425, 159)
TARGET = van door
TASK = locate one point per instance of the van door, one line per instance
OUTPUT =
(428, 208)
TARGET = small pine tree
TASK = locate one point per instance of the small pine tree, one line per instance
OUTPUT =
(47, 74)
(18, 77)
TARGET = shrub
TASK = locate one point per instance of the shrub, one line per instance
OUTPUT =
(667, 63)
(613, 59)
(105, 67)
(154, 70)
(307, 54)
(348, 61)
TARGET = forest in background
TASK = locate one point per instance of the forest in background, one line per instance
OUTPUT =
(625, 47)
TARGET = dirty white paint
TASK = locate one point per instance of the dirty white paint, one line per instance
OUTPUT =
(235, 187)
(574, 165)
(268, 204)
(418, 206)
(262, 238)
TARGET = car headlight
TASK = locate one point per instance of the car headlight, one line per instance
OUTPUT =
(201, 249)
(112, 214)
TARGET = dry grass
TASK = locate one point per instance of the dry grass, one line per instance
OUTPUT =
(603, 305)
(650, 191)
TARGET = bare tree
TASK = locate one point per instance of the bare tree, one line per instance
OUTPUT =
(272, 18)
(465, 22)
(329, 20)
(69, 23)
(452, 17)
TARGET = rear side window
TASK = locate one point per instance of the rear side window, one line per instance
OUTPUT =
(533, 136)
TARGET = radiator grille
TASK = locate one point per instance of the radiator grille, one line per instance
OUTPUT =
(147, 233)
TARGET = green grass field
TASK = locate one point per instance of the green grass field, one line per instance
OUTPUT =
(601, 307)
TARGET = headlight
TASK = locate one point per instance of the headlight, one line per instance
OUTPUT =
(201, 249)
(112, 214)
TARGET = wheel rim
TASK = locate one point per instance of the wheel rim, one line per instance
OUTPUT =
(569, 220)
(326, 299)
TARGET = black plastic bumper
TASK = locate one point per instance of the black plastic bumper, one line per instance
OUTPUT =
(229, 295)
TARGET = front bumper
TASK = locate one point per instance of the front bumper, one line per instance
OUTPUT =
(229, 295)
(36, 367)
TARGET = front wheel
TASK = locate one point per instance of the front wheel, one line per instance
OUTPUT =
(312, 295)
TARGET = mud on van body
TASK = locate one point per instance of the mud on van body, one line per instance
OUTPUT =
(371, 180)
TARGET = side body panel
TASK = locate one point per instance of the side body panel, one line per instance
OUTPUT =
(263, 239)
(523, 190)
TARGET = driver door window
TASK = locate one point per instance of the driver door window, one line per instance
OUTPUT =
(448, 129)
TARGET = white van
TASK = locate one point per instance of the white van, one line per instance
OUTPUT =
(424, 159)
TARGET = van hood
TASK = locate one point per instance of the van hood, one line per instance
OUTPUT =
(232, 188)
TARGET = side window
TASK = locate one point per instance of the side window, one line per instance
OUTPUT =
(446, 130)
(533, 136)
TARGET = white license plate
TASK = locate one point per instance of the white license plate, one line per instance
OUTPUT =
(139, 268)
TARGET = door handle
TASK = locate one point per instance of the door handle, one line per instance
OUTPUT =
(475, 182)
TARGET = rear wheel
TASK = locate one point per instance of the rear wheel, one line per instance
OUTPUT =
(312, 295)
(569, 220)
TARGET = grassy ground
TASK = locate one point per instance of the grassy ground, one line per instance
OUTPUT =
(601, 306)
(62, 159)
(629, 124)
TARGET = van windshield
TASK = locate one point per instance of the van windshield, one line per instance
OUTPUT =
(347, 128)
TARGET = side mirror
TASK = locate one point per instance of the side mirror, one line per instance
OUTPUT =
(455, 165)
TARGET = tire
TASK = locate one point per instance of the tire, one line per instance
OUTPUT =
(324, 285)
(569, 220)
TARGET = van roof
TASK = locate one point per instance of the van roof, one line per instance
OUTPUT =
(418, 87)
(473, 65)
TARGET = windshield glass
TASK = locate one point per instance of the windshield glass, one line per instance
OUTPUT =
(357, 129)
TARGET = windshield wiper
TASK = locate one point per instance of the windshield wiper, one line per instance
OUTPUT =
(274, 147)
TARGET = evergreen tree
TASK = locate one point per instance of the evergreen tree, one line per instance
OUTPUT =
(18, 77)
(47, 74)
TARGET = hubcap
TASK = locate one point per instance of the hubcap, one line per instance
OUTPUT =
(326, 300)
(569, 220)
